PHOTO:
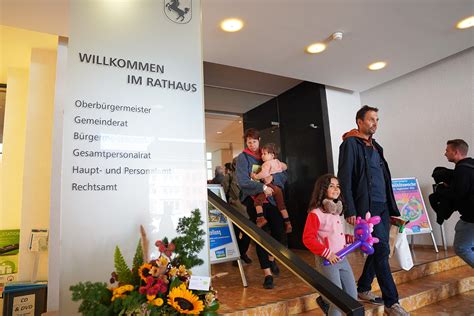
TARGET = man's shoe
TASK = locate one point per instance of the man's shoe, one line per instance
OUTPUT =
(396, 310)
(323, 305)
(274, 268)
(246, 259)
(268, 282)
(370, 297)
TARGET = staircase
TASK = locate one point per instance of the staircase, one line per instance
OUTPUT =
(425, 284)
(429, 283)
(434, 277)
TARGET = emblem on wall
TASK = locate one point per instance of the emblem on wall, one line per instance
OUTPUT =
(178, 11)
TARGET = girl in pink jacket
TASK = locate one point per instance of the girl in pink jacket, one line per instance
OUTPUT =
(324, 235)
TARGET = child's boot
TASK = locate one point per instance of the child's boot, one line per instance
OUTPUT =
(261, 220)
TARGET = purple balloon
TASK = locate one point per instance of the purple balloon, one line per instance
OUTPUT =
(362, 234)
(344, 251)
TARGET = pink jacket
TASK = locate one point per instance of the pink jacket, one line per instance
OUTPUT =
(324, 233)
(271, 167)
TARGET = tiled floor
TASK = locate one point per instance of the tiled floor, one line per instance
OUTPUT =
(234, 297)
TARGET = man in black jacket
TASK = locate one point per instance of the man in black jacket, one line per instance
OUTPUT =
(366, 186)
(461, 193)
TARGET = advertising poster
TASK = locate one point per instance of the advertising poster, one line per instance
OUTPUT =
(411, 205)
(9, 246)
(223, 245)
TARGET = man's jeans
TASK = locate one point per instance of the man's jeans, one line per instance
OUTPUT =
(464, 241)
(377, 264)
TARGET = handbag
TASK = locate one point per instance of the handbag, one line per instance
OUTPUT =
(402, 251)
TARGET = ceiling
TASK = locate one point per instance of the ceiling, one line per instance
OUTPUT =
(236, 90)
(245, 69)
(408, 34)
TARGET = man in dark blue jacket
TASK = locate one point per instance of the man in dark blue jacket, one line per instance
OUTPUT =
(366, 185)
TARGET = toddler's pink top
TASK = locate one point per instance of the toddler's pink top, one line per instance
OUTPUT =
(270, 167)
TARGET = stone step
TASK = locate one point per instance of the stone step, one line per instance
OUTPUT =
(430, 289)
(420, 297)
(461, 304)
(422, 270)
(291, 296)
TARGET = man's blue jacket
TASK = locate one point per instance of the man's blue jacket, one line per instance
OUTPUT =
(354, 176)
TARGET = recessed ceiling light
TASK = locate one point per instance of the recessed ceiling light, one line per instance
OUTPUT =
(316, 48)
(232, 25)
(219, 132)
(466, 23)
(378, 65)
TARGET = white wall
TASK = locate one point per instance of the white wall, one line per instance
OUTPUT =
(419, 112)
(342, 108)
(56, 152)
(37, 161)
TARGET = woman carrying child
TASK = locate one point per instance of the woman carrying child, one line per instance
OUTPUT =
(250, 161)
(324, 235)
(271, 165)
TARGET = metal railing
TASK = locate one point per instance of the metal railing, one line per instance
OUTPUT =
(290, 260)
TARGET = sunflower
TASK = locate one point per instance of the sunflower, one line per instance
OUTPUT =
(184, 301)
(144, 271)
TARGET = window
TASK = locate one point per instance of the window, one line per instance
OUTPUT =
(209, 165)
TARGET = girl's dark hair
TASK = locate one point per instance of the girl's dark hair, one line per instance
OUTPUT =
(319, 192)
(271, 148)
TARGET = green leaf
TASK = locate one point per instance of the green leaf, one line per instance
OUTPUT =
(175, 282)
(121, 268)
(94, 297)
(137, 262)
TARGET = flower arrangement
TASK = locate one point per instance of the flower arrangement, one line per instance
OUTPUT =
(152, 287)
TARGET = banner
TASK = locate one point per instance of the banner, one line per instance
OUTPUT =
(133, 146)
(222, 239)
(411, 205)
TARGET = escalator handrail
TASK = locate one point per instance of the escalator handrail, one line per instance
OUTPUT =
(294, 263)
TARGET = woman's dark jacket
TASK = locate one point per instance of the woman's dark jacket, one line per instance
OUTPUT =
(248, 187)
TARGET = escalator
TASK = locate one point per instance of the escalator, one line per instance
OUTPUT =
(290, 260)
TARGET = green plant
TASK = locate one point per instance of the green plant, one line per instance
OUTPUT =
(157, 287)
(191, 242)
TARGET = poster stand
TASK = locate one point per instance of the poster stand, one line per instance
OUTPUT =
(222, 239)
(412, 208)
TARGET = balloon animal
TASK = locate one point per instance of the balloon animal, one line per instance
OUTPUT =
(362, 237)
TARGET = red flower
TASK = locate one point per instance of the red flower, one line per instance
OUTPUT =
(153, 286)
(167, 249)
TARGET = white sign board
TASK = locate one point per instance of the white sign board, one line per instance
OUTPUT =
(133, 133)
(222, 239)
(24, 305)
